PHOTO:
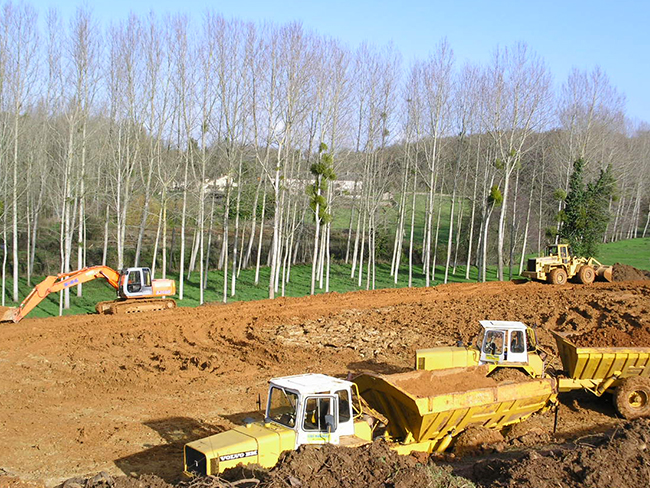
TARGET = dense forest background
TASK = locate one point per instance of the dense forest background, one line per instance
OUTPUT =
(193, 144)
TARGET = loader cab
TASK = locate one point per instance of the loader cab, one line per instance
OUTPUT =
(317, 407)
(504, 342)
(136, 282)
(560, 251)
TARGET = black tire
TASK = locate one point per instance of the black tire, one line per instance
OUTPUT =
(632, 398)
(586, 275)
(557, 277)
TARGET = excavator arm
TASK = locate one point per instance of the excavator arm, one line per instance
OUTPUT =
(53, 284)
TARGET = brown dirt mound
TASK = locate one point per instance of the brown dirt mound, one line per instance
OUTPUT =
(374, 465)
(618, 459)
(612, 337)
(475, 439)
(509, 375)
(104, 480)
(623, 272)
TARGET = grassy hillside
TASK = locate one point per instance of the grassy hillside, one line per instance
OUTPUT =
(634, 252)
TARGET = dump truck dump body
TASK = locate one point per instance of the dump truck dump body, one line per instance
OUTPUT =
(420, 418)
(599, 368)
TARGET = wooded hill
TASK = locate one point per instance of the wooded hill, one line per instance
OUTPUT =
(193, 143)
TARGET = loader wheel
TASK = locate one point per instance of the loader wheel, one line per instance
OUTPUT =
(632, 398)
(586, 275)
(557, 277)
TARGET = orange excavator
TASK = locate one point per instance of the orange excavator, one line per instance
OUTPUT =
(136, 291)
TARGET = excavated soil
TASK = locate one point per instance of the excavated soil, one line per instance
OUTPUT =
(424, 384)
(619, 458)
(624, 272)
(123, 394)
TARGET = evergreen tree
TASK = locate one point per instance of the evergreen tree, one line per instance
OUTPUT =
(586, 211)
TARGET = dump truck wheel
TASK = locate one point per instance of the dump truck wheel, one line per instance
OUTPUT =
(632, 398)
(557, 277)
(586, 275)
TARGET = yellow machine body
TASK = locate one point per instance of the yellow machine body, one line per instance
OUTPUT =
(254, 443)
(428, 423)
(599, 369)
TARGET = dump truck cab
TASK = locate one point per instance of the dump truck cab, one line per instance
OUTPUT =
(301, 409)
(502, 344)
(316, 406)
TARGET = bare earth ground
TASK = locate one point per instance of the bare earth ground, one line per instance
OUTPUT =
(122, 394)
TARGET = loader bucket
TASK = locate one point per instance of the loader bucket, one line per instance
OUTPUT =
(8, 314)
(604, 273)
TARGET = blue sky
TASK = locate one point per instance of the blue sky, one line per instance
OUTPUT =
(613, 34)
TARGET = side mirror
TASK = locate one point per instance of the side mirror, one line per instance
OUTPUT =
(329, 422)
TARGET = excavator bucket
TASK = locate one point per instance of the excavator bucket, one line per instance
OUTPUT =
(8, 314)
(604, 273)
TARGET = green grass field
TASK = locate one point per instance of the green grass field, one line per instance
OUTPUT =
(634, 252)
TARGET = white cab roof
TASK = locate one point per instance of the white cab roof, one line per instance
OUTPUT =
(503, 324)
(311, 383)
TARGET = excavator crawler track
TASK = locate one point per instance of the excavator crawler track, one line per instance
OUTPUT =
(134, 306)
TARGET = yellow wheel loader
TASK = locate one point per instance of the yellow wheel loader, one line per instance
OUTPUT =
(558, 266)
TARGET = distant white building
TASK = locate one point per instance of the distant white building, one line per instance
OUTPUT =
(220, 184)
(340, 187)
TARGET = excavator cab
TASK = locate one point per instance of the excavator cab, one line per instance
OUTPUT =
(136, 282)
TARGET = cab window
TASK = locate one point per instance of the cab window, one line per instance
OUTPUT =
(344, 405)
(134, 284)
(493, 342)
(517, 341)
(316, 412)
(282, 407)
(146, 277)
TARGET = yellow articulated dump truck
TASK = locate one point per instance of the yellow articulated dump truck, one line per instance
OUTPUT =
(622, 371)
(414, 411)
(427, 409)
(450, 390)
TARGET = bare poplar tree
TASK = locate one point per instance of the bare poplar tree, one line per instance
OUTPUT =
(517, 101)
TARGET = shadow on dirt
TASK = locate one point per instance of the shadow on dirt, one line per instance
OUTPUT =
(166, 460)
